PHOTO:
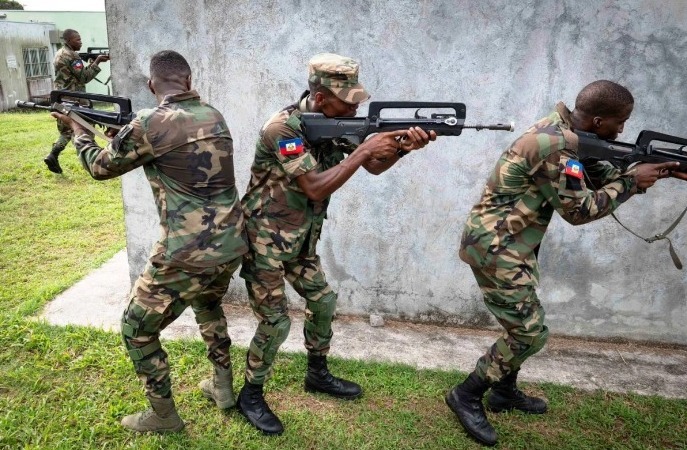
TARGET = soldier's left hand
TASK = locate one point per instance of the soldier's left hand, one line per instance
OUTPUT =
(416, 138)
(62, 118)
(67, 121)
(678, 175)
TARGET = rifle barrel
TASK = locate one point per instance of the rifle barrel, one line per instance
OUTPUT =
(23, 104)
(496, 127)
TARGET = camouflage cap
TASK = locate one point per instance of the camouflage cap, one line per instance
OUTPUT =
(339, 74)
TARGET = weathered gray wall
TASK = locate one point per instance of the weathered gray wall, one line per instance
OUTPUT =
(14, 37)
(390, 244)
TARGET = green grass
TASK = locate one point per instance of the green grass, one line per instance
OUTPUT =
(53, 228)
(67, 388)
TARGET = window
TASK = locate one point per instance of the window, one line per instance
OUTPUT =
(36, 62)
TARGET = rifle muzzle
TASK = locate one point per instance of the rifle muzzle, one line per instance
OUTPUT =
(32, 105)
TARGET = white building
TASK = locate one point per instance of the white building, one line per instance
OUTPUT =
(26, 75)
(26, 54)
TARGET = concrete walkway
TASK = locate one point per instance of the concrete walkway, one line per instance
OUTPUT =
(99, 300)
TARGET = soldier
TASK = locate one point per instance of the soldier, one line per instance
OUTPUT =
(70, 73)
(186, 151)
(285, 205)
(537, 175)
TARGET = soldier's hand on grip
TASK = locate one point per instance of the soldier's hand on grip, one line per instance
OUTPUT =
(647, 174)
(679, 175)
(62, 118)
(384, 145)
(416, 138)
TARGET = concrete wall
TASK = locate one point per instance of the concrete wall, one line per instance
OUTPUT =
(390, 244)
(14, 37)
(90, 25)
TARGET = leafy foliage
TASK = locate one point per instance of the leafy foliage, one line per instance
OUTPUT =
(10, 4)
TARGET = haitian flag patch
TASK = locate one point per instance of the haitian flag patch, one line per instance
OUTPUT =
(78, 64)
(574, 169)
(291, 146)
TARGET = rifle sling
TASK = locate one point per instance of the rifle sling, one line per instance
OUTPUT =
(657, 237)
(81, 121)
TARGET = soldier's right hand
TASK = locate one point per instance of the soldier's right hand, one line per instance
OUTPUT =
(102, 58)
(647, 174)
(384, 145)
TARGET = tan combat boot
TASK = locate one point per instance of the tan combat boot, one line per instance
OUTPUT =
(220, 388)
(162, 417)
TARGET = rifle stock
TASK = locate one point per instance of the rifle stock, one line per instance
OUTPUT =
(622, 154)
(320, 128)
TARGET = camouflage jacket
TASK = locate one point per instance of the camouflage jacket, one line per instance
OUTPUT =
(186, 151)
(281, 221)
(537, 175)
(70, 70)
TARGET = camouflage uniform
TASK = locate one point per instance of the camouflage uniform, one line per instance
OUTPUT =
(283, 225)
(71, 73)
(283, 228)
(537, 175)
(186, 151)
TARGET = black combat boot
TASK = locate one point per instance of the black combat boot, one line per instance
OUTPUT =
(465, 400)
(506, 396)
(51, 160)
(252, 405)
(319, 379)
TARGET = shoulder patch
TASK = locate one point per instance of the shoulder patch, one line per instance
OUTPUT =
(291, 146)
(574, 169)
(77, 64)
(124, 133)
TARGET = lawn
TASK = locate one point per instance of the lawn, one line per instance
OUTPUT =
(68, 387)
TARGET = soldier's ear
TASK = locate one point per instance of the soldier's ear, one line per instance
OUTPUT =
(150, 86)
(188, 83)
(319, 99)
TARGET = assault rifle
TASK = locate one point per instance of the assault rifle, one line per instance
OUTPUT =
(94, 52)
(79, 106)
(319, 128)
(622, 154)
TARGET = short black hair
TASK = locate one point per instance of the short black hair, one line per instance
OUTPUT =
(603, 98)
(68, 33)
(169, 64)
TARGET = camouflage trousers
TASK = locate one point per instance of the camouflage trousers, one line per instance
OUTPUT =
(66, 134)
(266, 291)
(518, 310)
(157, 299)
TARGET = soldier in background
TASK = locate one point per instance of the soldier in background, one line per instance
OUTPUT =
(186, 151)
(537, 175)
(285, 206)
(71, 73)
